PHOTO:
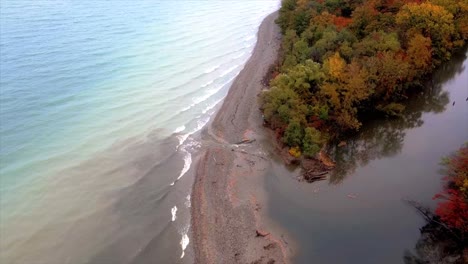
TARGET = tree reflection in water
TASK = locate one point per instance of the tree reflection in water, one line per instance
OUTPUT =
(385, 138)
(437, 243)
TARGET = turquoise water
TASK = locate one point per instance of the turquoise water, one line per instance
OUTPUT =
(98, 103)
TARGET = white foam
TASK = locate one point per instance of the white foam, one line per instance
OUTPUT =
(188, 203)
(212, 69)
(186, 108)
(184, 242)
(208, 83)
(201, 99)
(173, 212)
(212, 106)
(210, 93)
(239, 56)
(201, 123)
(179, 129)
(182, 138)
(249, 38)
(187, 163)
(226, 72)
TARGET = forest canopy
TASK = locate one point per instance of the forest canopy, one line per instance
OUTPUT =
(342, 59)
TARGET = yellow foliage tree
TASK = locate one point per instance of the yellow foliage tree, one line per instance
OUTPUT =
(430, 20)
(420, 52)
(336, 66)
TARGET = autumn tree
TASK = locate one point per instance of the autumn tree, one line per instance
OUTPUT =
(453, 208)
(433, 22)
(420, 53)
(342, 59)
(346, 86)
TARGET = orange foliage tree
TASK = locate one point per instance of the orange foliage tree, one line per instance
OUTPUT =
(453, 210)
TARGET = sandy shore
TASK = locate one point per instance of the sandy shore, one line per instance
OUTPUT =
(228, 199)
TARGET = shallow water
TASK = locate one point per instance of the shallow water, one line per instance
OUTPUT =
(100, 105)
(359, 214)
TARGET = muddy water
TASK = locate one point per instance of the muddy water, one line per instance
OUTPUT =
(359, 214)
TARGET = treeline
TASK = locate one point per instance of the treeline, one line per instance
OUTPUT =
(342, 59)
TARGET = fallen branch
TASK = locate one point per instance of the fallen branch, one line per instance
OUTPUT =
(431, 217)
(316, 174)
(261, 233)
(311, 176)
(245, 141)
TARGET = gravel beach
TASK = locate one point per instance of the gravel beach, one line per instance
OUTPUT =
(229, 223)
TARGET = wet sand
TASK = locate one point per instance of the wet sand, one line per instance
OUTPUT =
(229, 223)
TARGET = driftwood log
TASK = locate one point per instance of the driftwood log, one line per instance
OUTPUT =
(261, 233)
(312, 176)
(245, 141)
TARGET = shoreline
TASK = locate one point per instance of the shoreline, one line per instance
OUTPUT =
(228, 213)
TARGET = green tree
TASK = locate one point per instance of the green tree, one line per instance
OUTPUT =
(302, 79)
(312, 142)
(293, 134)
(280, 105)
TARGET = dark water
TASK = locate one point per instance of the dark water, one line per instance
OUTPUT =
(359, 214)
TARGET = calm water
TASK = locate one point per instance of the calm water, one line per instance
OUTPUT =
(359, 214)
(99, 105)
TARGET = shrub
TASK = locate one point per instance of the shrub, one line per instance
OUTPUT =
(295, 152)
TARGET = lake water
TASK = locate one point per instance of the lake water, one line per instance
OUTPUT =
(359, 214)
(99, 106)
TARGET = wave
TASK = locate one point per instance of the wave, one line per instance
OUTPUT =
(201, 123)
(249, 37)
(182, 138)
(187, 163)
(194, 67)
(184, 148)
(176, 73)
(188, 202)
(184, 241)
(179, 129)
(210, 93)
(249, 46)
(239, 56)
(173, 212)
(213, 105)
(199, 76)
(208, 83)
(210, 70)
(226, 72)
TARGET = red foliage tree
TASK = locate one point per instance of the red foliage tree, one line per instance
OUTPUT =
(453, 210)
(342, 22)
